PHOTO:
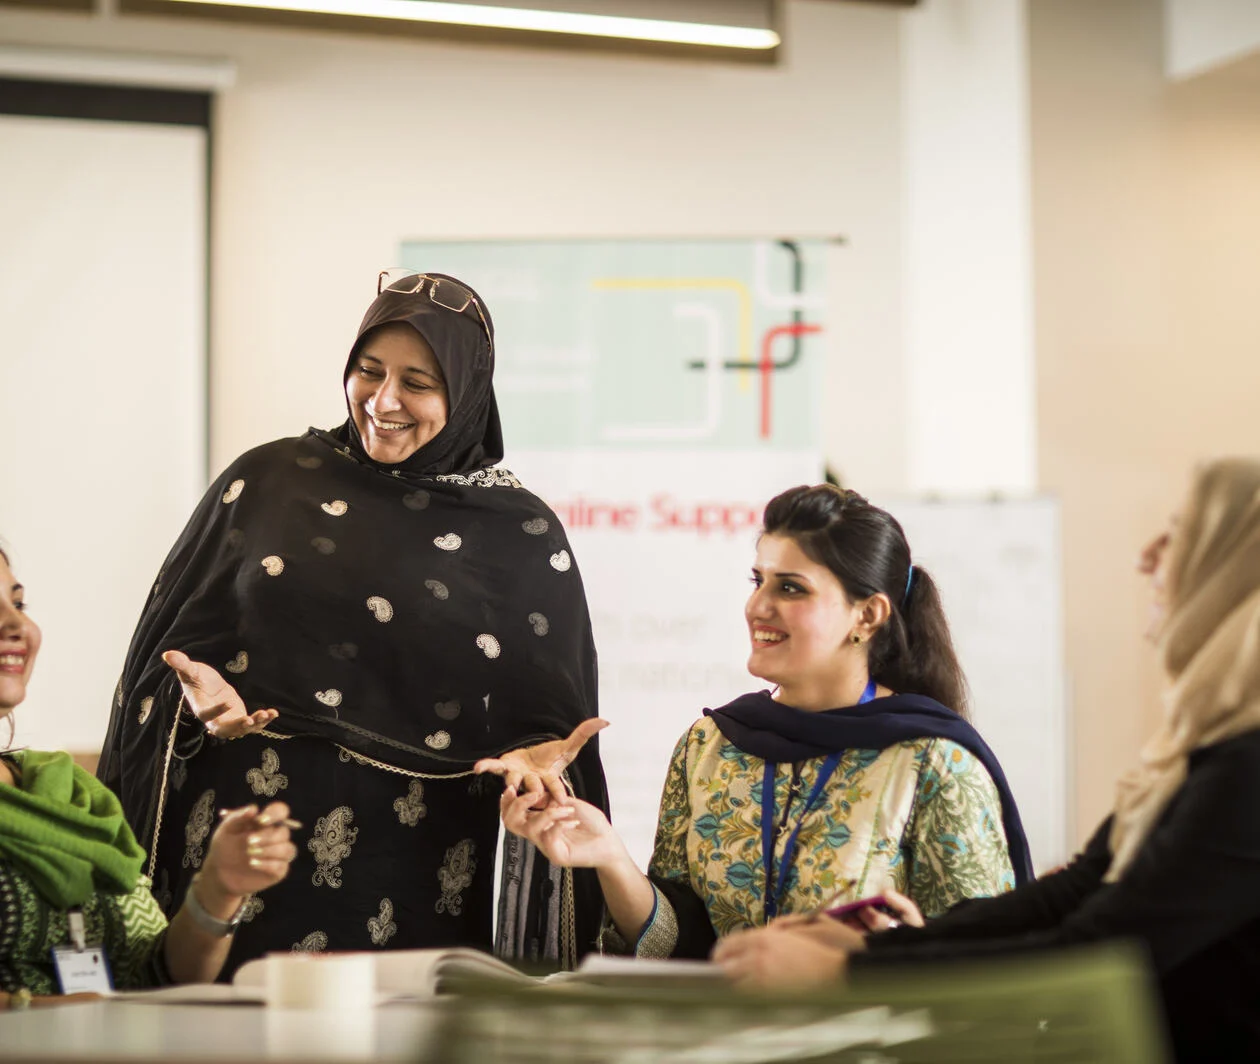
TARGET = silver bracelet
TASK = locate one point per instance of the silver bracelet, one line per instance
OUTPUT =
(211, 925)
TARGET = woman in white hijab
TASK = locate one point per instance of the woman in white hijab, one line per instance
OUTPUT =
(1177, 864)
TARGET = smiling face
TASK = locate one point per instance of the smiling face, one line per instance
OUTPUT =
(19, 640)
(397, 393)
(801, 624)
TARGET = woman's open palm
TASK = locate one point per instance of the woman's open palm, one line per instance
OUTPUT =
(214, 701)
(541, 767)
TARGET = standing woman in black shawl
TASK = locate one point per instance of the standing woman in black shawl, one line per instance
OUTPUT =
(372, 610)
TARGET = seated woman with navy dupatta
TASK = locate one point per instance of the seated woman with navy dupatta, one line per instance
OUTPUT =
(1175, 867)
(856, 776)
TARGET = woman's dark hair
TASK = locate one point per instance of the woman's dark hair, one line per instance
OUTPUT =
(866, 549)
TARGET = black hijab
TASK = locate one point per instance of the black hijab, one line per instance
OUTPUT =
(776, 732)
(472, 438)
(422, 614)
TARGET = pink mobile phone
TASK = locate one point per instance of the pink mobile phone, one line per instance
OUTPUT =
(877, 902)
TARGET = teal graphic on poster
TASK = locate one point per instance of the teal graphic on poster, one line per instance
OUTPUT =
(650, 344)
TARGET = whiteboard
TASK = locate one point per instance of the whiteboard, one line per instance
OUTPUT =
(997, 563)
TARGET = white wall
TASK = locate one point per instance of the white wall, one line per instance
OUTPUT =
(330, 150)
(102, 362)
(1148, 325)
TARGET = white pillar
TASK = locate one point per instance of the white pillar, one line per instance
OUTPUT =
(970, 385)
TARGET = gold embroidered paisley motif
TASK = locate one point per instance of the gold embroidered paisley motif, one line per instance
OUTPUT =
(315, 942)
(455, 876)
(268, 779)
(411, 808)
(252, 907)
(198, 829)
(331, 844)
(495, 477)
(382, 927)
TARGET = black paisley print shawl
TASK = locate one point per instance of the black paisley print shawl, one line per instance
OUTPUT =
(418, 616)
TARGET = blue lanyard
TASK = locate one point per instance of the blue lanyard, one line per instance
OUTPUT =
(775, 896)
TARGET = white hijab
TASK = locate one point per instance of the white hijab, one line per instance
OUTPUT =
(1210, 646)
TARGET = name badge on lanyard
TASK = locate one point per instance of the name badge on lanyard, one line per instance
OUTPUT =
(774, 895)
(81, 967)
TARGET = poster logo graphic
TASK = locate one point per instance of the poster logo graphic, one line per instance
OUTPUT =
(651, 344)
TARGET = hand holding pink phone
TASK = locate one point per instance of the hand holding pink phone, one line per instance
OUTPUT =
(878, 902)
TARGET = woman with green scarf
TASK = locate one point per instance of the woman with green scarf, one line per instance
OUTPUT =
(74, 904)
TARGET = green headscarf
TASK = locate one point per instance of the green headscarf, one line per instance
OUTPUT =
(65, 830)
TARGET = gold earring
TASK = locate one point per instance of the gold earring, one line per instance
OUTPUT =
(857, 640)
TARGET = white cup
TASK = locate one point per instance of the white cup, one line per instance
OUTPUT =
(343, 982)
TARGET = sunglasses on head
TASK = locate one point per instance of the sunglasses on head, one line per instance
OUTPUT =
(442, 292)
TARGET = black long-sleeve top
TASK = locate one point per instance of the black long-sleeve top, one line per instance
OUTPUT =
(1191, 896)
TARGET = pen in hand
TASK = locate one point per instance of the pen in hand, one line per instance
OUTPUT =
(264, 821)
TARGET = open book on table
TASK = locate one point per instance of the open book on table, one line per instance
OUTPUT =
(420, 974)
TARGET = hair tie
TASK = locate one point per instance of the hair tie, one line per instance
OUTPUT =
(909, 580)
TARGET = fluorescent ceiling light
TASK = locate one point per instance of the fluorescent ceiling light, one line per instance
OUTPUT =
(513, 18)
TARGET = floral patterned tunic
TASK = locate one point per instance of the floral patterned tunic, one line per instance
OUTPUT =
(922, 817)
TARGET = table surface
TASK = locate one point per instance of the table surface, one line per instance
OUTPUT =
(134, 1031)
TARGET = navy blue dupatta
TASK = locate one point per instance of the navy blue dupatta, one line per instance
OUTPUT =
(760, 726)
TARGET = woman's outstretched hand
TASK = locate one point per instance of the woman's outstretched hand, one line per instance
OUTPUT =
(570, 833)
(538, 769)
(214, 701)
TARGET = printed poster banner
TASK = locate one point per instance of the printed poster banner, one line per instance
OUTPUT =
(657, 394)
